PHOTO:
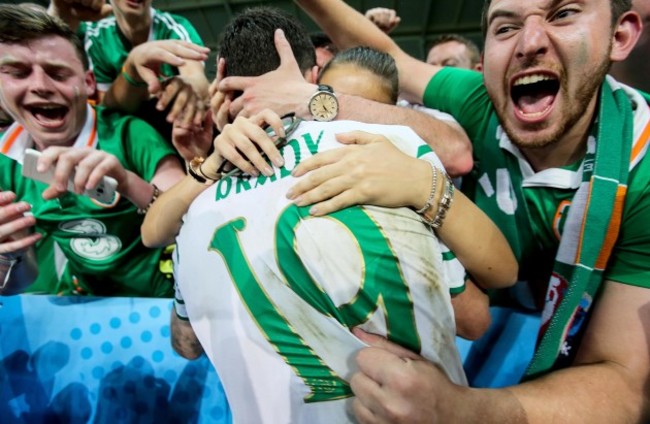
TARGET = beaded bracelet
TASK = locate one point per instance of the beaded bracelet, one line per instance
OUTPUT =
(154, 197)
(445, 204)
(434, 186)
(131, 80)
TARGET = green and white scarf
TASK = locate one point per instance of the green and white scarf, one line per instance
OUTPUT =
(592, 223)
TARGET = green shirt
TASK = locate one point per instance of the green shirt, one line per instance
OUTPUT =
(87, 247)
(107, 47)
(547, 193)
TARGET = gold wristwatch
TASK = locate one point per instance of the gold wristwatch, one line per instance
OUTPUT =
(323, 105)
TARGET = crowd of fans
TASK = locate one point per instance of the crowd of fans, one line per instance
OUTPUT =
(327, 192)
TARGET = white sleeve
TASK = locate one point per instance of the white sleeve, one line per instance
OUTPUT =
(453, 270)
(179, 302)
(431, 112)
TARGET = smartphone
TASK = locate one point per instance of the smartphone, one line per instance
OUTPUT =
(104, 192)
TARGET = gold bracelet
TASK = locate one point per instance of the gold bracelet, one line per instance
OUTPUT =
(195, 169)
(154, 197)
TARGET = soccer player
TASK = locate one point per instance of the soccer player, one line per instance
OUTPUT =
(272, 296)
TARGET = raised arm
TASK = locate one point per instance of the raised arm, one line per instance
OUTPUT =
(163, 220)
(285, 90)
(449, 141)
(140, 79)
(349, 28)
(371, 170)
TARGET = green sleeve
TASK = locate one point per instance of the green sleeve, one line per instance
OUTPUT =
(81, 30)
(146, 148)
(137, 145)
(461, 93)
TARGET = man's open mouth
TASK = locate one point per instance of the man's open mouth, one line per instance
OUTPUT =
(48, 115)
(534, 94)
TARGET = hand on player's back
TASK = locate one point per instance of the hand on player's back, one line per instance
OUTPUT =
(370, 170)
(144, 64)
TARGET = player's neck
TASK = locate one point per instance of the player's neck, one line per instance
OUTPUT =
(135, 28)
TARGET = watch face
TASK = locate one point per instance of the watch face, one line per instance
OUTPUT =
(323, 106)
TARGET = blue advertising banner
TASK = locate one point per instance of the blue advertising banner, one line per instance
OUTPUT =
(101, 360)
(109, 360)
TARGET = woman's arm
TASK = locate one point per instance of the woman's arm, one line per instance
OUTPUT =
(371, 170)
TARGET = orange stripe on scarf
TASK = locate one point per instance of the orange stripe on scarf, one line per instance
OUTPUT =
(612, 229)
(93, 133)
(11, 139)
(641, 142)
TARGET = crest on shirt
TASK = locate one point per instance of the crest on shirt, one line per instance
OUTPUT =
(93, 242)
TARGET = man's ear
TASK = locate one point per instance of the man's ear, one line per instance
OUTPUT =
(91, 83)
(311, 75)
(626, 34)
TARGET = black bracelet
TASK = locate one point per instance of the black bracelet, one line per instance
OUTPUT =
(195, 171)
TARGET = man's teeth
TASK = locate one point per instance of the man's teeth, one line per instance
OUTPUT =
(531, 79)
(47, 107)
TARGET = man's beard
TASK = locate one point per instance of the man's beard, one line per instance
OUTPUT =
(575, 108)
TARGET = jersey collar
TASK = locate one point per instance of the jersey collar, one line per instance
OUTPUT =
(551, 177)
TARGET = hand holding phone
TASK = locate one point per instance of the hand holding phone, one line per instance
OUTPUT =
(104, 192)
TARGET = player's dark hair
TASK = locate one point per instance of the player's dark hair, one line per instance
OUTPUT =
(247, 43)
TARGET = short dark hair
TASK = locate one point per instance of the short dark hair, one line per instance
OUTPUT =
(379, 63)
(247, 43)
(320, 39)
(20, 25)
(618, 8)
(472, 48)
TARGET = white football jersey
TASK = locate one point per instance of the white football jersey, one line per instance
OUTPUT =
(273, 292)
